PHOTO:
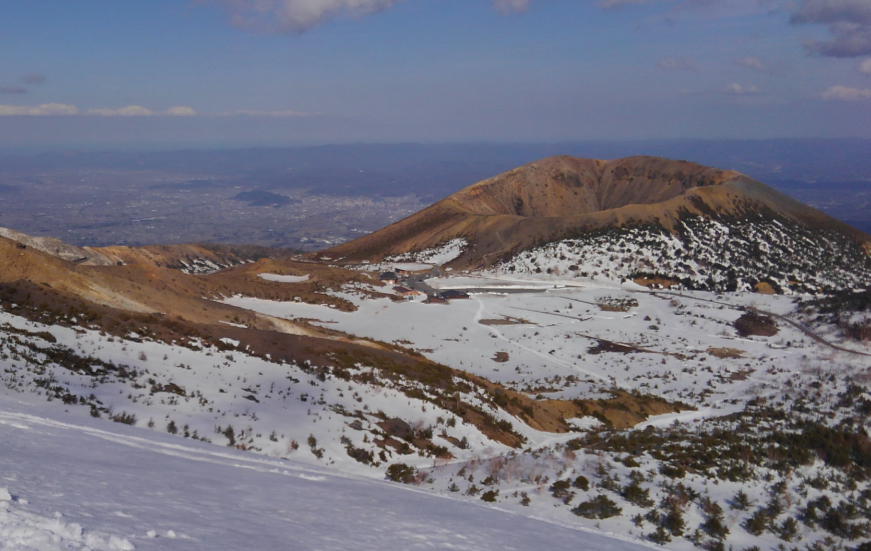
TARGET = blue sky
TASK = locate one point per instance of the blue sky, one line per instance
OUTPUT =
(283, 72)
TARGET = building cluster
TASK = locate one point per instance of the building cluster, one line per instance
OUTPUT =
(404, 288)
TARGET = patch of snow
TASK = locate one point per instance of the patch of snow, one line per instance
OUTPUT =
(284, 278)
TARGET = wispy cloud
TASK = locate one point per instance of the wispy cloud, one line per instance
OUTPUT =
(60, 109)
(846, 93)
(762, 66)
(129, 111)
(611, 4)
(33, 78)
(43, 110)
(295, 16)
(679, 64)
(181, 111)
(13, 90)
(299, 16)
(750, 63)
(736, 89)
(251, 113)
(511, 6)
(848, 21)
(865, 67)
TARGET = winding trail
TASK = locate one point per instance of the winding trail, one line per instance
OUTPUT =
(810, 333)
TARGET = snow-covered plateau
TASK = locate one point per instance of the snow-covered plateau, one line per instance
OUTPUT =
(768, 447)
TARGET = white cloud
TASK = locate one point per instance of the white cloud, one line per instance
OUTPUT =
(848, 21)
(129, 111)
(607, 4)
(180, 111)
(281, 16)
(833, 11)
(56, 109)
(865, 67)
(750, 63)
(511, 6)
(284, 113)
(45, 109)
(297, 16)
(736, 89)
(846, 93)
(679, 64)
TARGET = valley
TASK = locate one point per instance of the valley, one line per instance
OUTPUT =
(685, 365)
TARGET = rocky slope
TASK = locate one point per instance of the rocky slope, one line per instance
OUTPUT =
(565, 199)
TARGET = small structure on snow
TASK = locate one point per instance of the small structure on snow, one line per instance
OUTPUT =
(404, 291)
(389, 278)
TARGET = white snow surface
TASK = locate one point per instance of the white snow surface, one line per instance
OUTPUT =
(109, 480)
(706, 254)
(284, 278)
(87, 484)
(421, 260)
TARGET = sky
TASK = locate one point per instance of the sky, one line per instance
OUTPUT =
(207, 73)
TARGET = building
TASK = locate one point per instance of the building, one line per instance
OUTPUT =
(435, 299)
(454, 295)
(389, 278)
(405, 291)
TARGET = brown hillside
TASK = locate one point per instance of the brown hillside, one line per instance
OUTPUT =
(563, 196)
(147, 301)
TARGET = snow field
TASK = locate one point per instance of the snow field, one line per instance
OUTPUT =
(549, 345)
(706, 254)
(284, 278)
(550, 338)
(122, 488)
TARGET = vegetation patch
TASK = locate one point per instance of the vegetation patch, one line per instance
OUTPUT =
(753, 323)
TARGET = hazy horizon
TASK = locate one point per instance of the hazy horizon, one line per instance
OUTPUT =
(243, 73)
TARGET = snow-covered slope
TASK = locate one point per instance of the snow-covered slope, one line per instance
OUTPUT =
(82, 484)
(763, 416)
(707, 254)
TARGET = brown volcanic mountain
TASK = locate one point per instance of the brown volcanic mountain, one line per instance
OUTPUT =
(563, 197)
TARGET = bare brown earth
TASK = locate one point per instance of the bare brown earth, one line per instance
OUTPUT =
(764, 288)
(162, 256)
(622, 411)
(726, 352)
(561, 197)
(174, 256)
(656, 282)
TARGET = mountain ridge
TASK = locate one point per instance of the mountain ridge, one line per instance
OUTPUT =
(558, 196)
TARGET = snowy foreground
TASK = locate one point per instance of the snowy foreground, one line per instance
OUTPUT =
(88, 484)
(319, 444)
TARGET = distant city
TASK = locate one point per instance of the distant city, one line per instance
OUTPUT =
(312, 198)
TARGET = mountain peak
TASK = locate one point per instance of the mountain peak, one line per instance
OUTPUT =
(560, 199)
(568, 186)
